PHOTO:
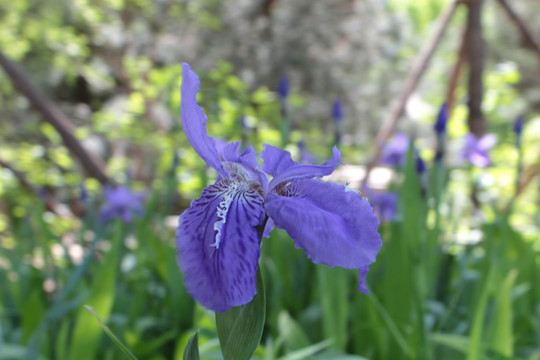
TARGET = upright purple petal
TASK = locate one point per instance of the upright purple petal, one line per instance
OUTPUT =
(218, 245)
(194, 121)
(243, 164)
(280, 165)
(334, 226)
(486, 142)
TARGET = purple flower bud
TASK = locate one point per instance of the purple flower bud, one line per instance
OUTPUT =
(121, 203)
(442, 120)
(420, 164)
(518, 126)
(283, 87)
(83, 192)
(337, 110)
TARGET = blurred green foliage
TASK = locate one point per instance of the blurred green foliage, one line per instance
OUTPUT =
(454, 280)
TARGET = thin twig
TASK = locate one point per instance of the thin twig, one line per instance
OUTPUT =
(93, 166)
(456, 73)
(49, 203)
(531, 41)
(475, 57)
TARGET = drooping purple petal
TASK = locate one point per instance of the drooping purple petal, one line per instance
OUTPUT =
(479, 159)
(268, 228)
(334, 226)
(362, 281)
(194, 121)
(218, 245)
(280, 165)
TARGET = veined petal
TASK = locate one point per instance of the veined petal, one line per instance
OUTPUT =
(218, 245)
(334, 226)
(194, 121)
(280, 165)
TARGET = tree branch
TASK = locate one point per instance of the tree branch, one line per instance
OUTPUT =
(93, 166)
(475, 56)
(530, 40)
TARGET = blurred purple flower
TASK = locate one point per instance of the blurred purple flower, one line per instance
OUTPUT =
(283, 87)
(476, 149)
(395, 152)
(121, 203)
(442, 120)
(218, 236)
(384, 204)
(337, 110)
(518, 128)
(306, 157)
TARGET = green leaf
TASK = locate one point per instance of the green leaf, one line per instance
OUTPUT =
(192, 348)
(502, 339)
(240, 328)
(87, 334)
(111, 335)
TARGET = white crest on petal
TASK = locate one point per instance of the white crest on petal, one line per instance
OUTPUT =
(222, 209)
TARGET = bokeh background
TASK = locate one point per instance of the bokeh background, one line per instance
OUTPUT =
(458, 275)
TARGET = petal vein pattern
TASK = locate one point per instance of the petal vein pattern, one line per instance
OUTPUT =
(220, 272)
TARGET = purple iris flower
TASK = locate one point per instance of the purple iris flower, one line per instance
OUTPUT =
(384, 204)
(218, 236)
(283, 87)
(121, 203)
(476, 149)
(337, 110)
(395, 152)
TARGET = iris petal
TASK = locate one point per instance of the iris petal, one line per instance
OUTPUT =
(218, 245)
(280, 165)
(486, 142)
(248, 160)
(334, 226)
(194, 121)
(362, 282)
